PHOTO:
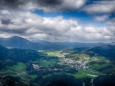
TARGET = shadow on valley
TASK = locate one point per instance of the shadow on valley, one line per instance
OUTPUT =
(61, 80)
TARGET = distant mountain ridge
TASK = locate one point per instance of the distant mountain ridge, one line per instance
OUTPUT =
(22, 43)
(107, 51)
(17, 42)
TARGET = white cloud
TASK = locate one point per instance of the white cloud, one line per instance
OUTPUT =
(101, 18)
(103, 11)
(73, 3)
(101, 7)
(110, 24)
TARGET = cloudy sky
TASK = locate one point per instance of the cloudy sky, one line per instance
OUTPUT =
(58, 20)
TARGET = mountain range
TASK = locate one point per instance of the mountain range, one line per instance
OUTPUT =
(22, 43)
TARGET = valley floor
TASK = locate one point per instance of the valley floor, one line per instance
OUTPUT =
(78, 66)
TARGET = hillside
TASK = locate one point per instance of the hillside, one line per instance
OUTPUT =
(107, 51)
(18, 54)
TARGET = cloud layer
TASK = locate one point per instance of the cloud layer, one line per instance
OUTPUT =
(35, 27)
(17, 18)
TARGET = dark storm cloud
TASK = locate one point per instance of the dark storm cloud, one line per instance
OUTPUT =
(11, 3)
(59, 5)
(13, 31)
(44, 5)
(16, 3)
(6, 21)
(50, 2)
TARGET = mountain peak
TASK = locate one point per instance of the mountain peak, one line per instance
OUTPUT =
(17, 37)
(17, 42)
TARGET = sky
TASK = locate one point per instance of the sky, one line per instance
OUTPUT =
(58, 20)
